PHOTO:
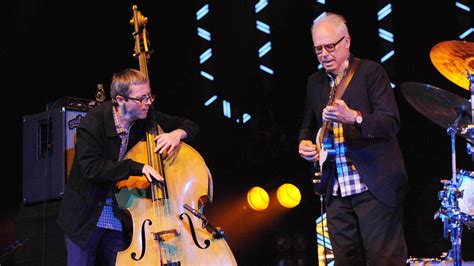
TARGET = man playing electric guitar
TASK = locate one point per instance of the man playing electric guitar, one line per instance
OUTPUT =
(367, 180)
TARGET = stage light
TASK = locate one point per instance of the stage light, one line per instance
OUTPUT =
(258, 198)
(288, 195)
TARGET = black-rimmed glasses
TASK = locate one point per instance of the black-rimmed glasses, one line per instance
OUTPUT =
(142, 100)
(329, 47)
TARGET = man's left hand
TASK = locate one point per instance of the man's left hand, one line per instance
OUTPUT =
(169, 141)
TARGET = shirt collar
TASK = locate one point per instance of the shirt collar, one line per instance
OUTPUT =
(120, 128)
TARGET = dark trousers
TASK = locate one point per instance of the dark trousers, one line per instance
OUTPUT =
(363, 231)
(102, 249)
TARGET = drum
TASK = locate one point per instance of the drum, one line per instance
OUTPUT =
(465, 183)
(423, 261)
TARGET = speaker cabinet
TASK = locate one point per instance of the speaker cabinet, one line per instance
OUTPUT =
(48, 151)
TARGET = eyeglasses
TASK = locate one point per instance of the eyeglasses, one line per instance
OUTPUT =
(142, 100)
(329, 47)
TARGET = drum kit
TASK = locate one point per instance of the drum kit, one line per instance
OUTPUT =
(455, 61)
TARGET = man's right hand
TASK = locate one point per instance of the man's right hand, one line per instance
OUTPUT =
(308, 151)
(150, 174)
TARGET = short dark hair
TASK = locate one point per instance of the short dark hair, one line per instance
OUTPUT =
(122, 81)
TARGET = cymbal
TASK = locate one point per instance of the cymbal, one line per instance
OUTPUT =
(436, 104)
(452, 59)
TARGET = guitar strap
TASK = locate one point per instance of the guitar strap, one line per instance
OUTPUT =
(345, 81)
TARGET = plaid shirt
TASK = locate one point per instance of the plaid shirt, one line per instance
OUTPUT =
(348, 180)
(108, 219)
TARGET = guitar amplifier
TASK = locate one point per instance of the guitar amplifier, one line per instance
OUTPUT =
(48, 151)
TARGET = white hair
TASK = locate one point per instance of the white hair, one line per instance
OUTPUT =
(335, 19)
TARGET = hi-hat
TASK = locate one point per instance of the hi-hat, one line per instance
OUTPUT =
(453, 59)
(438, 105)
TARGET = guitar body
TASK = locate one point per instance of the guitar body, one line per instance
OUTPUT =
(325, 147)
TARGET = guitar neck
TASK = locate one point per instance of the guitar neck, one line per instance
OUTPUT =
(142, 61)
(325, 125)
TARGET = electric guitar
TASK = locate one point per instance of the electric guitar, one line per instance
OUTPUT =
(325, 147)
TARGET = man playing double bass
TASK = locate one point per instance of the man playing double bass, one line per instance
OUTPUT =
(89, 215)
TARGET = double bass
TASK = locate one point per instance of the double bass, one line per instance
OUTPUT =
(164, 215)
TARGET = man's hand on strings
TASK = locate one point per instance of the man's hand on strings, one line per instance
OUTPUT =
(308, 151)
(167, 142)
(151, 174)
(339, 112)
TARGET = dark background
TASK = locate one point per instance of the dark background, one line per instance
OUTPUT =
(52, 49)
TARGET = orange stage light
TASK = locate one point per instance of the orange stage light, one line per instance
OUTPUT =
(288, 195)
(258, 198)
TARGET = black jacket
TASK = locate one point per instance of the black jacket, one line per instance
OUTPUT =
(373, 148)
(96, 169)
